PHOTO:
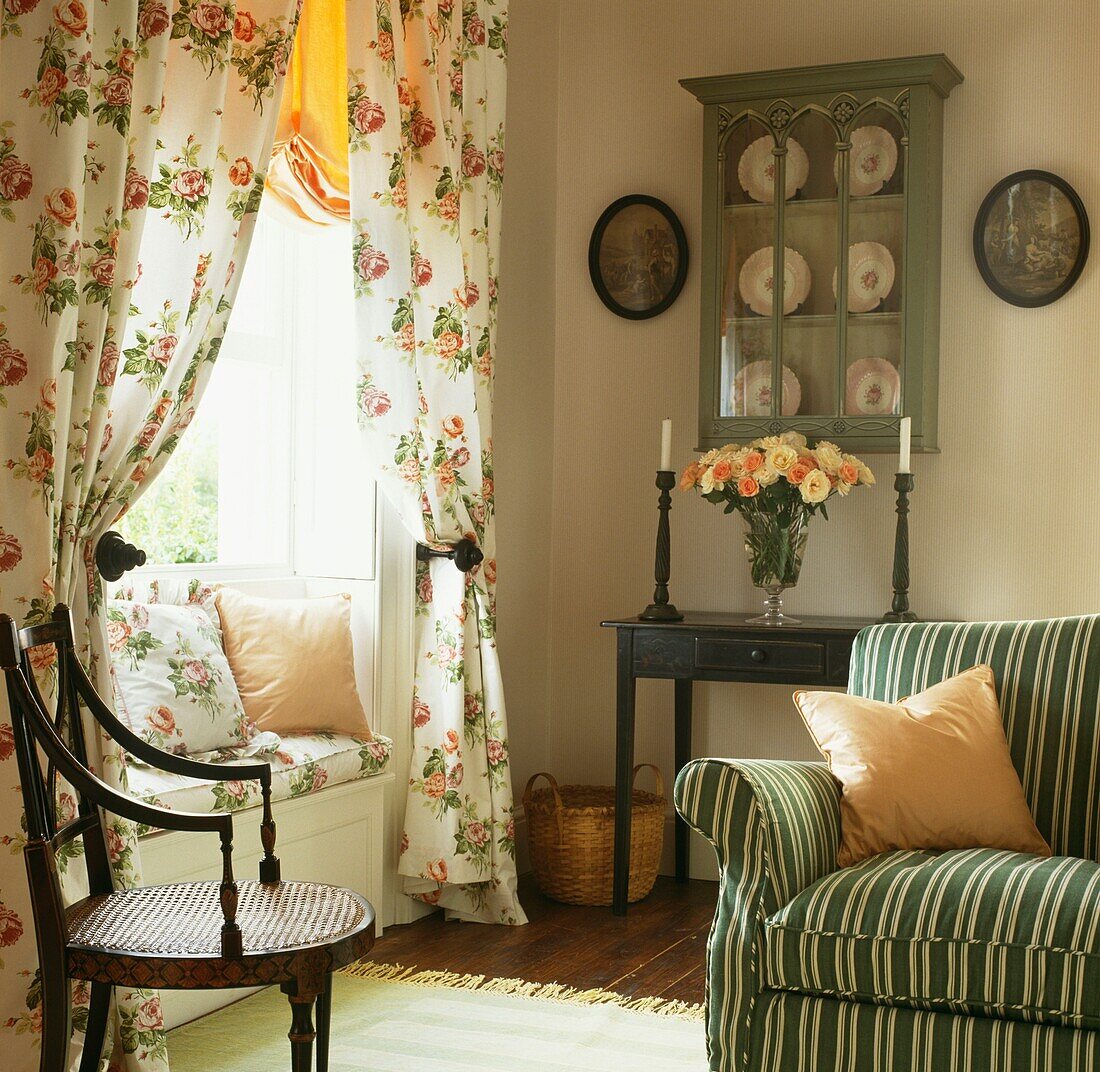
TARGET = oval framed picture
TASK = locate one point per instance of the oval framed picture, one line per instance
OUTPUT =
(638, 257)
(1031, 238)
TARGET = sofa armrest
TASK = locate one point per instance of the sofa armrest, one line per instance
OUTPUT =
(775, 827)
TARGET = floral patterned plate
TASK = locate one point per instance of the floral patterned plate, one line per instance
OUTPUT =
(873, 386)
(756, 281)
(756, 169)
(870, 276)
(871, 160)
(752, 391)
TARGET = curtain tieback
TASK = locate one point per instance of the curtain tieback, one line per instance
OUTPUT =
(465, 554)
(114, 556)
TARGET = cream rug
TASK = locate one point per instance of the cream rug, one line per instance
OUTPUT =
(393, 1019)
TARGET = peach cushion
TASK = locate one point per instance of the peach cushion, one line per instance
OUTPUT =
(932, 771)
(292, 661)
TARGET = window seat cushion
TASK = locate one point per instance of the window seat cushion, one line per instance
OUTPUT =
(302, 765)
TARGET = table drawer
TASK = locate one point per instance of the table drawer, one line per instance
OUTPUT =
(769, 656)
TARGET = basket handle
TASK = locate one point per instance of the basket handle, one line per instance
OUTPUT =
(559, 808)
(656, 775)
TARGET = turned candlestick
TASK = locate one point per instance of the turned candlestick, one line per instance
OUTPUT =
(899, 608)
(661, 610)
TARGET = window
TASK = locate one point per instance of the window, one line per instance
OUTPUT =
(271, 475)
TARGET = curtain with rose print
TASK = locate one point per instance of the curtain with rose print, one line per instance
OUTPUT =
(134, 136)
(426, 132)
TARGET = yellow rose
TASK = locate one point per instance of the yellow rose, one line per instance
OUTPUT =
(816, 487)
(842, 488)
(768, 442)
(829, 457)
(794, 439)
(782, 457)
(766, 475)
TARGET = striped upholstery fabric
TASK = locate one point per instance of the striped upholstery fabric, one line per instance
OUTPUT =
(794, 1033)
(980, 930)
(1048, 682)
(775, 828)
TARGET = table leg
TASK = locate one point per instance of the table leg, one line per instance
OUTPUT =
(682, 755)
(624, 767)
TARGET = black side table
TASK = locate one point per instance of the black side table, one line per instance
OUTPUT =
(710, 647)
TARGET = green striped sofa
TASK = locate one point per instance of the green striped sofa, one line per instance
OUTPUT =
(960, 961)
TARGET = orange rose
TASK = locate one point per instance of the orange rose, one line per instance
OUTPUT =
(448, 206)
(447, 345)
(44, 272)
(690, 477)
(437, 870)
(117, 635)
(849, 473)
(240, 174)
(753, 460)
(40, 465)
(722, 471)
(435, 785)
(71, 16)
(799, 471)
(747, 487)
(61, 205)
(43, 656)
(454, 426)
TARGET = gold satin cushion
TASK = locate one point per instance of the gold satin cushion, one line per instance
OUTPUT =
(292, 661)
(932, 771)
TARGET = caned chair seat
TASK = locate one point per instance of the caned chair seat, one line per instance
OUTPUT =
(183, 936)
(171, 936)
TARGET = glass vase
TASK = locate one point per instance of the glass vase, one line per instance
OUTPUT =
(775, 543)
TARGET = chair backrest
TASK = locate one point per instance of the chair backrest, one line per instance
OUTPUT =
(1048, 683)
(54, 817)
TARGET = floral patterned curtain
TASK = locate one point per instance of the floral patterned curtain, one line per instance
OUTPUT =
(134, 137)
(426, 127)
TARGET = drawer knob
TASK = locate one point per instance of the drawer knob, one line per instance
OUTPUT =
(759, 655)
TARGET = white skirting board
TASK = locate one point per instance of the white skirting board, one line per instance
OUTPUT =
(334, 836)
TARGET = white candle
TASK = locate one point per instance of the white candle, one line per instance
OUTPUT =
(666, 444)
(906, 433)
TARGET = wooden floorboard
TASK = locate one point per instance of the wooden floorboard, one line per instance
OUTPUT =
(657, 950)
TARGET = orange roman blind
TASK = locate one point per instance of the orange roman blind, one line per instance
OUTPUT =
(308, 175)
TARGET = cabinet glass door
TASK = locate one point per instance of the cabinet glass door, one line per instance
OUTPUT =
(747, 303)
(810, 228)
(875, 283)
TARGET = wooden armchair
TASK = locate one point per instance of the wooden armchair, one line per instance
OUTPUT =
(195, 935)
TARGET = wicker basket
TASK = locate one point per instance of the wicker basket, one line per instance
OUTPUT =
(571, 830)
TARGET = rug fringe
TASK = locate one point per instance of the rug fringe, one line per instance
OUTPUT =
(397, 973)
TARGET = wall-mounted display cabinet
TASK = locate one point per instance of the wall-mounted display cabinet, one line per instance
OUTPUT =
(821, 252)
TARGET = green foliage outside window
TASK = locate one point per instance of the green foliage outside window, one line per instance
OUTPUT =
(177, 519)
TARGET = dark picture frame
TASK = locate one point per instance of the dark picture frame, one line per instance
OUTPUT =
(638, 257)
(1028, 254)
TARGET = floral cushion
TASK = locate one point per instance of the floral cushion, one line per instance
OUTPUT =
(177, 591)
(300, 766)
(173, 685)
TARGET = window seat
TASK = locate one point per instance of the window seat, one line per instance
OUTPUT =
(331, 791)
(302, 765)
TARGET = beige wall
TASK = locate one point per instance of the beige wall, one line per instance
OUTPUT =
(522, 418)
(993, 536)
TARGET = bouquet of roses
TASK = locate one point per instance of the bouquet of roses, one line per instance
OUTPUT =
(777, 484)
(775, 474)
